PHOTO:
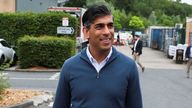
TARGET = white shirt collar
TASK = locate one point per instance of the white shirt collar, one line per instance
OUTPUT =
(98, 66)
(91, 57)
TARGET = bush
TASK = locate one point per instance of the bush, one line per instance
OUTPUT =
(16, 25)
(47, 51)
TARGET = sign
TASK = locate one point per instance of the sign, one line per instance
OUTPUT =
(65, 21)
(188, 19)
(65, 30)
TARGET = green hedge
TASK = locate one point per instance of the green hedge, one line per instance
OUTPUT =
(16, 25)
(45, 51)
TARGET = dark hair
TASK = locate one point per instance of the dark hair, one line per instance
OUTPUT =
(94, 12)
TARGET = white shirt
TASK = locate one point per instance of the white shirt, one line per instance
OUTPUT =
(135, 44)
(97, 65)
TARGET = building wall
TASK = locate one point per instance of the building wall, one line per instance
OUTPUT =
(34, 5)
(7, 6)
(188, 39)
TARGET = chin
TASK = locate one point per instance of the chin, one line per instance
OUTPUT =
(106, 47)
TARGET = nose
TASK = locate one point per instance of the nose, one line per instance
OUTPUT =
(106, 30)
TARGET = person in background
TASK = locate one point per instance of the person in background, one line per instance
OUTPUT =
(118, 39)
(188, 56)
(137, 51)
(99, 76)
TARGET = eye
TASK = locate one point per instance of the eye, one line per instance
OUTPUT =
(99, 26)
(110, 25)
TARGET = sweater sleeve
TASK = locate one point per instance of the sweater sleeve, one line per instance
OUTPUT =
(63, 95)
(133, 97)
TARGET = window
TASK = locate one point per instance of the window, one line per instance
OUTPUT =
(5, 44)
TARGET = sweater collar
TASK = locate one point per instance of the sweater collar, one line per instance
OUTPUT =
(84, 56)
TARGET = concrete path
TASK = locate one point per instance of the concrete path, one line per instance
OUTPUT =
(153, 59)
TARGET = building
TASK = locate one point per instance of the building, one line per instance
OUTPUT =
(26, 5)
(7, 6)
(188, 39)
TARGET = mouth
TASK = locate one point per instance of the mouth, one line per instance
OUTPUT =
(106, 40)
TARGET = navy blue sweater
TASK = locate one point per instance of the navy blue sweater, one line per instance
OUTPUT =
(116, 85)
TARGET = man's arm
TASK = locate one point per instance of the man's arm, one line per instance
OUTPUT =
(133, 97)
(63, 95)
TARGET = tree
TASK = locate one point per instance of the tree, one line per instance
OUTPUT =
(136, 23)
(177, 19)
(117, 20)
(178, 1)
(153, 18)
(96, 2)
(166, 20)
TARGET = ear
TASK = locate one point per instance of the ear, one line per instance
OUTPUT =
(86, 32)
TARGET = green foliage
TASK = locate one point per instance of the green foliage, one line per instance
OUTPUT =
(117, 19)
(136, 23)
(152, 9)
(120, 19)
(96, 2)
(166, 20)
(153, 18)
(45, 51)
(146, 22)
(3, 79)
(144, 8)
(16, 25)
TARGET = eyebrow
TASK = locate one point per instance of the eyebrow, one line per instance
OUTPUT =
(103, 23)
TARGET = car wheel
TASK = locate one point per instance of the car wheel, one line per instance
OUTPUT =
(2, 59)
(14, 60)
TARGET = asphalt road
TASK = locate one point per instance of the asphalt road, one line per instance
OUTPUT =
(46, 81)
(166, 88)
(163, 84)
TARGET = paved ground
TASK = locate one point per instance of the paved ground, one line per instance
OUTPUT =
(164, 83)
(153, 59)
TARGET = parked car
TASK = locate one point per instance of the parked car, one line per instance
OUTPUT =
(7, 53)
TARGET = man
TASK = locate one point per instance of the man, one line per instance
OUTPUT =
(137, 50)
(118, 39)
(99, 76)
(188, 56)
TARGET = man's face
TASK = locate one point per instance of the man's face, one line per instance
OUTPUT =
(100, 33)
(136, 37)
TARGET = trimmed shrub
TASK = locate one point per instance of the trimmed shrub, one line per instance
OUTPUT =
(16, 25)
(47, 51)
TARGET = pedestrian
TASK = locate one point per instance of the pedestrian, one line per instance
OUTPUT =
(99, 76)
(118, 39)
(137, 50)
(188, 56)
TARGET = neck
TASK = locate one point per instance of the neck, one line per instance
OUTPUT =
(99, 55)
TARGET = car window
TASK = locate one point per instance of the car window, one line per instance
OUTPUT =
(5, 44)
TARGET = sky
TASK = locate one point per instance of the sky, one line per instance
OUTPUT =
(187, 1)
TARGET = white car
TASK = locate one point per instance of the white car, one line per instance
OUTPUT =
(7, 53)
